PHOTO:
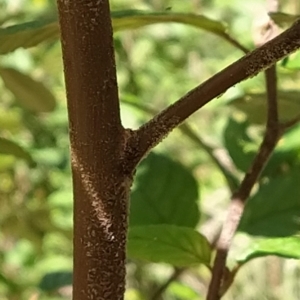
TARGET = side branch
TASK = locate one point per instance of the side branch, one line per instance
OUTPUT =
(150, 134)
(219, 283)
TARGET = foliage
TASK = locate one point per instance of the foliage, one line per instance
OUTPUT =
(156, 65)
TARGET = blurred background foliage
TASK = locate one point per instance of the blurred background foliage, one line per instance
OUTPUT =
(185, 183)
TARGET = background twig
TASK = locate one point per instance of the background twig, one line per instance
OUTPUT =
(158, 294)
(219, 283)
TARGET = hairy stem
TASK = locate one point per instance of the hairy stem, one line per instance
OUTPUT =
(100, 187)
(150, 134)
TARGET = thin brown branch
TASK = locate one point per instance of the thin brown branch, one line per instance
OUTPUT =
(158, 294)
(235, 43)
(188, 131)
(288, 124)
(271, 85)
(236, 209)
(231, 180)
(141, 141)
(221, 280)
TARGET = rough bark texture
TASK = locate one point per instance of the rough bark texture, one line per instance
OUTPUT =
(101, 190)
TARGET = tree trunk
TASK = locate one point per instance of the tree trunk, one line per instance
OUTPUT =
(100, 185)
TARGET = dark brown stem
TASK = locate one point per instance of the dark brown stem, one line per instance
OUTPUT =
(100, 187)
(150, 134)
(219, 283)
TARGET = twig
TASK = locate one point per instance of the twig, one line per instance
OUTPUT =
(158, 294)
(273, 133)
(235, 43)
(221, 280)
(187, 130)
(141, 141)
(230, 178)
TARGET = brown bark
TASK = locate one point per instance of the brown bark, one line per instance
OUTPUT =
(104, 155)
(101, 189)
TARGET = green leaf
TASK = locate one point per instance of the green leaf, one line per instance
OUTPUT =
(283, 19)
(132, 19)
(28, 34)
(292, 62)
(284, 247)
(55, 280)
(10, 119)
(242, 148)
(274, 210)
(30, 93)
(255, 106)
(32, 33)
(286, 155)
(11, 148)
(178, 246)
(164, 193)
(238, 143)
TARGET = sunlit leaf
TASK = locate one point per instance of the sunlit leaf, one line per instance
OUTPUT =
(55, 280)
(255, 106)
(292, 62)
(32, 33)
(283, 19)
(6, 162)
(179, 290)
(178, 246)
(10, 119)
(30, 93)
(165, 192)
(28, 34)
(132, 19)
(274, 210)
(284, 247)
(11, 148)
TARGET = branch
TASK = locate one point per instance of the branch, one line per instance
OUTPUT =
(236, 209)
(101, 190)
(188, 131)
(176, 273)
(221, 279)
(141, 141)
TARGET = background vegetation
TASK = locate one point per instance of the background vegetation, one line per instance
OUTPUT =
(186, 181)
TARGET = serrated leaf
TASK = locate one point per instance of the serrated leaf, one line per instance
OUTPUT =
(178, 246)
(255, 106)
(55, 280)
(164, 192)
(30, 93)
(284, 247)
(12, 148)
(32, 33)
(283, 19)
(274, 211)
